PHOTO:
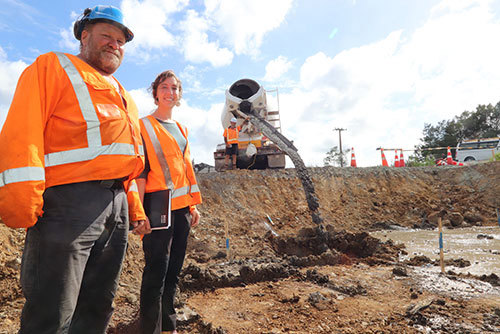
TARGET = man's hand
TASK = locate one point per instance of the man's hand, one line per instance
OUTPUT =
(195, 217)
(141, 226)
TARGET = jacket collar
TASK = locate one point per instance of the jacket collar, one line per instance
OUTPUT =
(91, 76)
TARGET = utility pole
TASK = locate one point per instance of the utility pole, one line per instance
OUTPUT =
(340, 145)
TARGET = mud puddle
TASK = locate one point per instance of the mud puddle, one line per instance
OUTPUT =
(478, 245)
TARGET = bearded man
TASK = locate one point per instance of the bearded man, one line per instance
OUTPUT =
(70, 149)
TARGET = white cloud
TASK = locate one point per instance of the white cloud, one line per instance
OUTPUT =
(211, 35)
(144, 101)
(150, 21)
(191, 75)
(196, 46)
(9, 74)
(446, 6)
(192, 82)
(244, 23)
(384, 92)
(205, 129)
(68, 41)
(276, 68)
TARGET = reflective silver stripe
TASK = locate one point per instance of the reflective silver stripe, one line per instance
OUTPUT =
(22, 174)
(159, 152)
(133, 187)
(141, 150)
(87, 153)
(185, 190)
(83, 96)
(195, 189)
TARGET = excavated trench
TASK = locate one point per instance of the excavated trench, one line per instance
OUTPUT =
(304, 250)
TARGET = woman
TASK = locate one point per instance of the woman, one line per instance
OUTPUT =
(168, 178)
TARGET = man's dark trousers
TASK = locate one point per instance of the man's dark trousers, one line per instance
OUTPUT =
(72, 259)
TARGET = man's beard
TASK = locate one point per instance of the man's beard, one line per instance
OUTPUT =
(102, 59)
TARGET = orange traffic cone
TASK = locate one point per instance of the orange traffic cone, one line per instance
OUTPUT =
(441, 162)
(456, 163)
(449, 159)
(396, 159)
(401, 159)
(384, 160)
(353, 158)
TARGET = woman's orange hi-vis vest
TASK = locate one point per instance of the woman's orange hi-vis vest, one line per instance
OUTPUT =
(66, 124)
(180, 174)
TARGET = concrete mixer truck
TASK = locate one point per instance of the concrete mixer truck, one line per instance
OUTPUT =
(262, 143)
(255, 150)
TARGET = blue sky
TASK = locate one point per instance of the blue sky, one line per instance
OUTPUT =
(380, 68)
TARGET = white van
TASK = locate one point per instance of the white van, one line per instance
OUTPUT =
(478, 149)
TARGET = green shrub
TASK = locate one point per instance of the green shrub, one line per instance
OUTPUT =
(414, 161)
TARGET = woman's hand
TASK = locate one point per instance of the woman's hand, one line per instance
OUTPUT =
(195, 217)
(141, 226)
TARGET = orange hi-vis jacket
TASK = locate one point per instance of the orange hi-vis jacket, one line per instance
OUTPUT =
(180, 173)
(232, 134)
(66, 124)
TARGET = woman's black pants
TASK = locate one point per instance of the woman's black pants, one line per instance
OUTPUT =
(164, 252)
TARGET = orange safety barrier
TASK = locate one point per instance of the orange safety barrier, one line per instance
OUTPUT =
(384, 160)
(353, 158)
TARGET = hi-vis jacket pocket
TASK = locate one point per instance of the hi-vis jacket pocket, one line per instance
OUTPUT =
(109, 111)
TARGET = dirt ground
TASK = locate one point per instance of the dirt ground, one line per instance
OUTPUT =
(292, 276)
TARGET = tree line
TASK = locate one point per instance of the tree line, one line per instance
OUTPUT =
(484, 122)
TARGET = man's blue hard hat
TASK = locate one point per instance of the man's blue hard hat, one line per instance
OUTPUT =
(102, 13)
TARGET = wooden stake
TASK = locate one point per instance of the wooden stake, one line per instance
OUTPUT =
(441, 255)
(228, 251)
(498, 217)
